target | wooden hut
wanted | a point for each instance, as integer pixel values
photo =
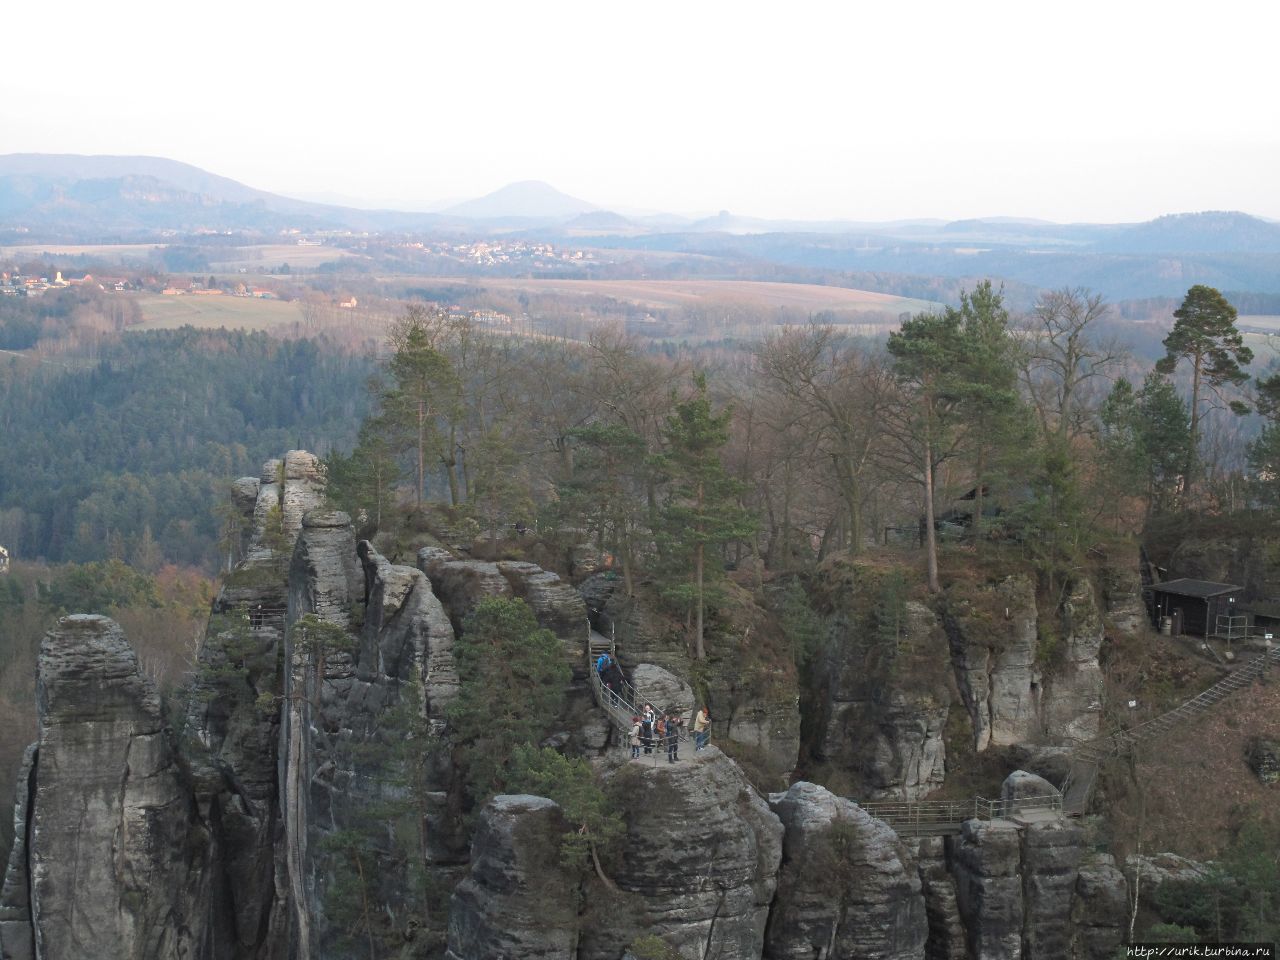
(1196, 607)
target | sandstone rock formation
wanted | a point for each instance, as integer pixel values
(946, 932)
(985, 861)
(887, 726)
(1100, 910)
(110, 825)
(1071, 707)
(754, 703)
(699, 862)
(664, 690)
(556, 605)
(462, 584)
(517, 901)
(1017, 878)
(847, 887)
(993, 647)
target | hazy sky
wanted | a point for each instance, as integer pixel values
(1116, 110)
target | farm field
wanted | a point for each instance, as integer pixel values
(105, 251)
(666, 294)
(235, 313)
(272, 256)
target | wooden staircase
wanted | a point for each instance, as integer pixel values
(1085, 761)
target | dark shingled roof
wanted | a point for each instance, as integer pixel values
(1200, 589)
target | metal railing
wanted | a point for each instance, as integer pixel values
(1088, 756)
(623, 701)
(946, 816)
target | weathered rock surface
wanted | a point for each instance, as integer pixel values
(985, 861)
(17, 936)
(852, 895)
(946, 933)
(462, 584)
(303, 488)
(407, 635)
(324, 575)
(1016, 878)
(1263, 757)
(403, 618)
(887, 727)
(664, 690)
(1051, 854)
(110, 825)
(1121, 582)
(993, 636)
(1072, 702)
(1157, 868)
(1100, 910)
(700, 860)
(517, 901)
(555, 604)
(1021, 785)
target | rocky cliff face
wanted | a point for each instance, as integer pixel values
(847, 887)
(1027, 676)
(993, 648)
(883, 721)
(699, 863)
(1019, 884)
(326, 672)
(1071, 707)
(518, 900)
(108, 818)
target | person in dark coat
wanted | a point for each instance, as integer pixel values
(673, 738)
(647, 722)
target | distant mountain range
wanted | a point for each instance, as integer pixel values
(68, 198)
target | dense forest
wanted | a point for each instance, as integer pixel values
(123, 452)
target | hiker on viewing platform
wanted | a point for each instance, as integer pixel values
(602, 664)
(674, 724)
(701, 728)
(647, 720)
(635, 737)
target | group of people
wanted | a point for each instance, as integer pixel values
(651, 731)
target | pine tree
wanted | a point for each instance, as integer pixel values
(704, 513)
(423, 390)
(365, 479)
(989, 391)
(928, 354)
(1205, 334)
(513, 677)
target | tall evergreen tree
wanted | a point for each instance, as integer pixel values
(704, 511)
(422, 390)
(1205, 334)
(989, 389)
(513, 676)
(928, 353)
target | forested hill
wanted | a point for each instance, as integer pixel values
(128, 455)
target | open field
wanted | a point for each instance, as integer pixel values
(104, 251)
(271, 256)
(235, 313)
(666, 294)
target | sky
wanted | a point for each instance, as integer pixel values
(1089, 111)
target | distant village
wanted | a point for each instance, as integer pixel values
(483, 253)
